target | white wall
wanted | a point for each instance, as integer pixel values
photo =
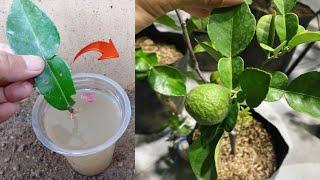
(83, 21)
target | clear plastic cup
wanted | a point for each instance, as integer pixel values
(94, 160)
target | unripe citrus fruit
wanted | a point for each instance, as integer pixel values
(208, 104)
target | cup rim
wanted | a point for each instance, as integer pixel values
(109, 142)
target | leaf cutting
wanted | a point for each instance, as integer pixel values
(30, 31)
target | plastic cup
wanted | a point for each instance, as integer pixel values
(94, 160)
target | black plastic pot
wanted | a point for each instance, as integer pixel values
(254, 55)
(281, 148)
(151, 113)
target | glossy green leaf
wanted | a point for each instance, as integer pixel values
(231, 29)
(301, 30)
(167, 80)
(168, 21)
(241, 96)
(144, 61)
(230, 71)
(30, 31)
(266, 47)
(231, 120)
(303, 94)
(287, 26)
(305, 37)
(285, 6)
(206, 46)
(266, 30)
(202, 155)
(200, 23)
(55, 83)
(255, 84)
(279, 82)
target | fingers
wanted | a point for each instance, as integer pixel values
(198, 12)
(18, 68)
(226, 3)
(5, 48)
(7, 110)
(207, 4)
(15, 92)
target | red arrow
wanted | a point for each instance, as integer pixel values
(107, 50)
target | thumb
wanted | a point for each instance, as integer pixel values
(207, 4)
(19, 68)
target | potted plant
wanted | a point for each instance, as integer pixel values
(217, 105)
(259, 8)
(169, 51)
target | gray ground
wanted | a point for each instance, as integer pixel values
(22, 156)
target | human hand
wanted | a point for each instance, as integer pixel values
(148, 10)
(15, 74)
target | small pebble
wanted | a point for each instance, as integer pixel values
(21, 148)
(6, 160)
(1, 172)
(16, 168)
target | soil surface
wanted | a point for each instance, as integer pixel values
(22, 156)
(255, 157)
(167, 54)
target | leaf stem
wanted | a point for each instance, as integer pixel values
(188, 42)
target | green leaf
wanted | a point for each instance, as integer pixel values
(200, 23)
(144, 61)
(278, 83)
(168, 21)
(266, 47)
(30, 31)
(266, 30)
(285, 6)
(303, 94)
(202, 155)
(241, 96)
(231, 119)
(55, 83)
(305, 37)
(167, 80)
(230, 71)
(287, 26)
(301, 30)
(206, 46)
(255, 84)
(231, 29)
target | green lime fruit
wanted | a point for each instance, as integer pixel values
(208, 104)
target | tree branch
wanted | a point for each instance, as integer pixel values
(188, 42)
